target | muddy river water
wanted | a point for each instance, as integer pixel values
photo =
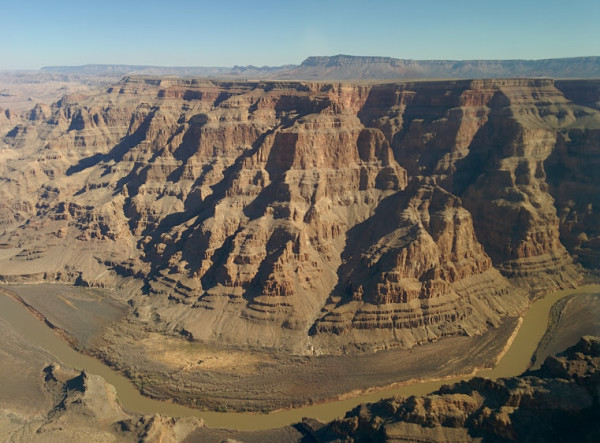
(515, 360)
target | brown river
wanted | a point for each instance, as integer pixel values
(515, 361)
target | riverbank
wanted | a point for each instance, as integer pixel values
(230, 379)
(571, 317)
(131, 398)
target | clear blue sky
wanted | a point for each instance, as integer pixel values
(229, 32)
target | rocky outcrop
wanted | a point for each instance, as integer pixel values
(86, 408)
(304, 215)
(556, 403)
(487, 141)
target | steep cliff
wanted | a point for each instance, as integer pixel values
(307, 216)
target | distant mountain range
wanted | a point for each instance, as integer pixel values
(347, 67)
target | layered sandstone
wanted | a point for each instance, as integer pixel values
(307, 216)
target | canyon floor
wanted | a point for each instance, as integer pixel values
(228, 378)
(43, 400)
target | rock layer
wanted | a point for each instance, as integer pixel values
(307, 216)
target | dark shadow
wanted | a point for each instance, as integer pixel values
(583, 93)
(14, 131)
(275, 247)
(192, 137)
(88, 162)
(280, 160)
(76, 383)
(211, 277)
(221, 98)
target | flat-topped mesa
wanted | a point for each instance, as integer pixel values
(359, 67)
(308, 215)
(344, 59)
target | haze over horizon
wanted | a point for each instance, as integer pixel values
(266, 33)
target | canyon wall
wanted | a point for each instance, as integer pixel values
(313, 217)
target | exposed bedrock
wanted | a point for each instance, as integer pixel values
(416, 270)
(559, 402)
(308, 216)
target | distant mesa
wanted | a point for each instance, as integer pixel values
(345, 67)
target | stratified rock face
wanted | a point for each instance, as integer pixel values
(557, 403)
(307, 216)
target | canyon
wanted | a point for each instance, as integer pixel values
(558, 400)
(312, 217)
(244, 226)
